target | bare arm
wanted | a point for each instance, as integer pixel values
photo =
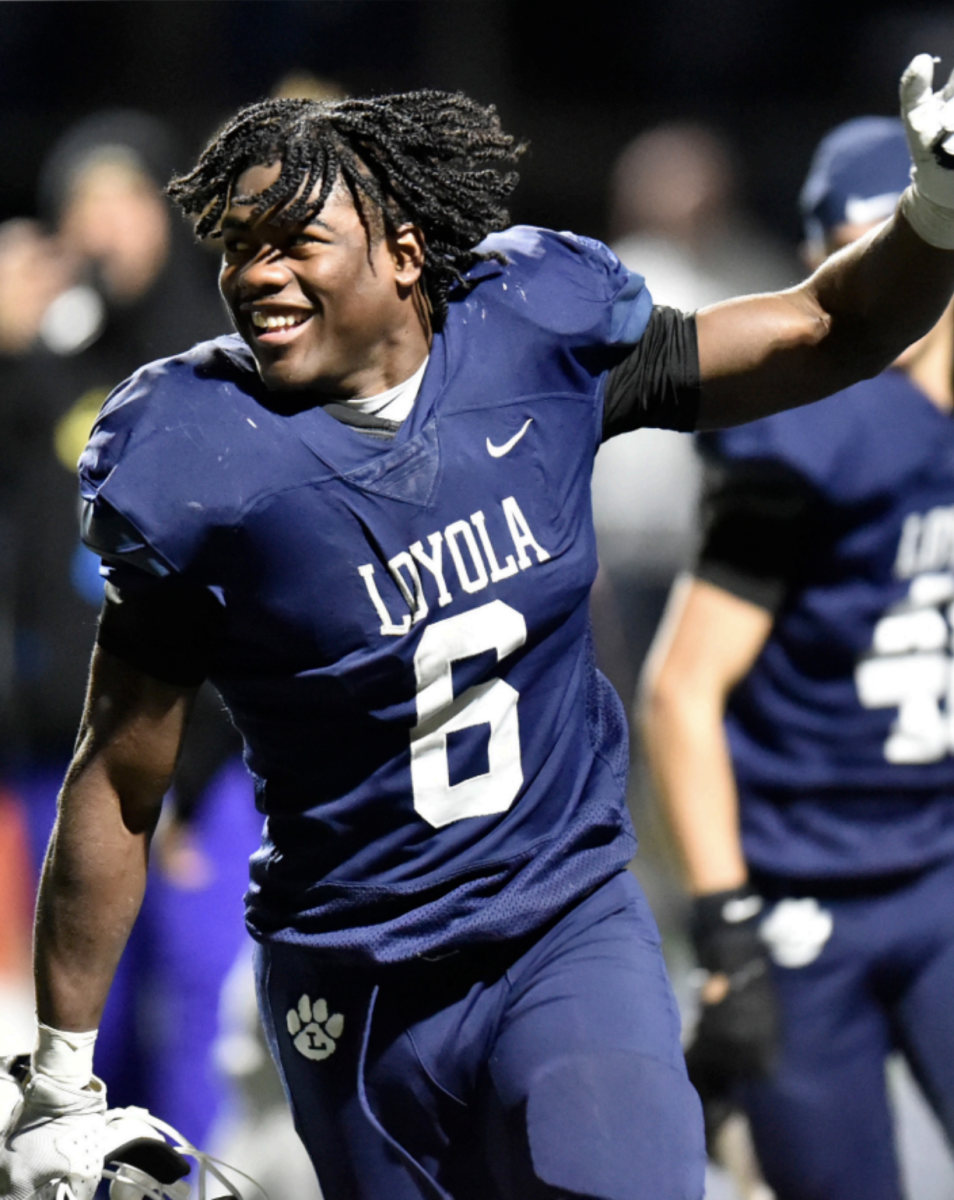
(707, 642)
(848, 321)
(95, 870)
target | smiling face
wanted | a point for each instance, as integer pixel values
(323, 306)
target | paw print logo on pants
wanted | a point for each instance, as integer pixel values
(315, 1033)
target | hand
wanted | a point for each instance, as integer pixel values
(928, 205)
(929, 123)
(56, 1133)
(737, 1035)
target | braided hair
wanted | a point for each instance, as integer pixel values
(438, 160)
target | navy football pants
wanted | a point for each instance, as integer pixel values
(554, 1072)
(883, 981)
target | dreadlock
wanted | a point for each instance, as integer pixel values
(438, 160)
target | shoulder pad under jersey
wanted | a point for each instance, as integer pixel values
(573, 285)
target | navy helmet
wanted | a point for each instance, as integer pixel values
(856, 175)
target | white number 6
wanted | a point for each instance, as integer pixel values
(494, 626)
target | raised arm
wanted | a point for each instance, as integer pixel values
(848, 321)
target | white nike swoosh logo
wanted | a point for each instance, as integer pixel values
(500, 451)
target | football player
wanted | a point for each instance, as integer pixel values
(366, 518)
(799, 722)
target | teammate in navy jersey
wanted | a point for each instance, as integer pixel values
(800, 725)
(367, 520)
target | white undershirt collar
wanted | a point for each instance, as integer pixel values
(396, 403)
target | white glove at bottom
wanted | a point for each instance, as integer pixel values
(12, 1075)
(52, 1147)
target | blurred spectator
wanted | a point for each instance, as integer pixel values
(119, 285)
(185, 942)
(140, 290)
(33, 271)
(300, 84)
(675, 218)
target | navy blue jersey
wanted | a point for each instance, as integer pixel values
(842, 733)
(405, 646)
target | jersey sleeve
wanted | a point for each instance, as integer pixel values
(573, 285)
(658, 384)
(179, 469)
(155, 617)
(756, 518)
(630, 303)
(151, 618)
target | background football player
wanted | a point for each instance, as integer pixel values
(799, 723)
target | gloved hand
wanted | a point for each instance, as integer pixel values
(56, 1134)
(929, 123)
(737, 1034)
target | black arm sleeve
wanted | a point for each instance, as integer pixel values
(757, 519)
(162, 627)
(657, 385)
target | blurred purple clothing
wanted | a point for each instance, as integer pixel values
(154, 1047)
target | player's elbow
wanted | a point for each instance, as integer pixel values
(665, 700)
(681, 697)
(859, 341)
(808, 325)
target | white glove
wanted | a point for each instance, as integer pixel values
(56, 1135)
(11, 1075)
(928, 204)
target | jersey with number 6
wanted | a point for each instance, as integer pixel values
(406, 647)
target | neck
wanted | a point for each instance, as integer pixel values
(400, 354)
(397, 364)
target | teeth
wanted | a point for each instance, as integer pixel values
(262, 321)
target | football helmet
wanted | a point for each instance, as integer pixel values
(146, 1159)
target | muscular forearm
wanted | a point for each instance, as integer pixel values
(90, 893)
(706, 643)
(95, 870)
(692, 772)
(850, 320)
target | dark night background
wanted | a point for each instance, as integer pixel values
(774, 74)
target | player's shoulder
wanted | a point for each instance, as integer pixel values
(185, 394)
(534, 248)
(846, 434)
(564, 281)
(185, 448)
